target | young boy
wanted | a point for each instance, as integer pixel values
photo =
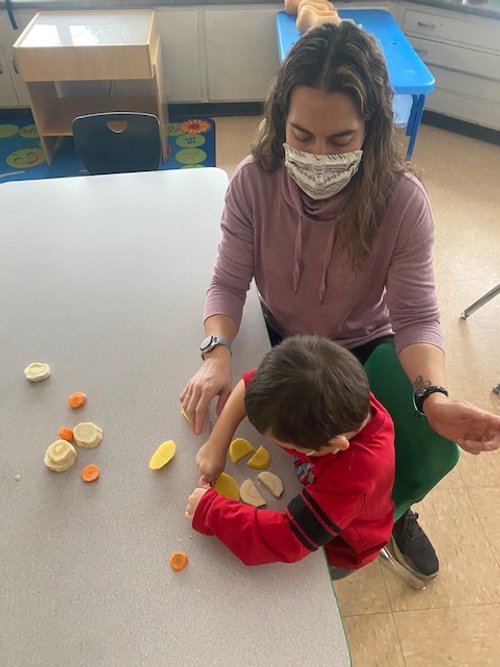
(310, 397)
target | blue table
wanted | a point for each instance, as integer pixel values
(407, 73)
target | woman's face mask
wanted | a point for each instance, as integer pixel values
(321, 176)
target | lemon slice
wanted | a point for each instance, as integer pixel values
(228, 487)
(250, 495)
(184, 414)
(239, 448)
(164, 454)
(87, 435)
(37, 371)
(60, 456)
(271, 482)
(260, 460)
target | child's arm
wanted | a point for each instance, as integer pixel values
(211, 458)
(266, 536)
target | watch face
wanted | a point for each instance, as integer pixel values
(206, 343)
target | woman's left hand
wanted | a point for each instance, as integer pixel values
(475, 430)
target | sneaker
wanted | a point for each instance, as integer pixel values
(412, 548)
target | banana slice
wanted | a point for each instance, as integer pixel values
(60, 456)
(37, 371)
(87, 435)
(272, 483)
(239, 448)
(260, 460)
(250, 495)
(227, 486)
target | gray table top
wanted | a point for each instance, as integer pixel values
(104, 278)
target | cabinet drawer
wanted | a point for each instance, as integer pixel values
(456, 58)
(484, 33)
(470, 86)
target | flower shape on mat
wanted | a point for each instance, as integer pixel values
(195, 126)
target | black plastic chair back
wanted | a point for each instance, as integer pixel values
(109, 143)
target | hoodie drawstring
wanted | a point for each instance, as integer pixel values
(325, 263)
(297, 256)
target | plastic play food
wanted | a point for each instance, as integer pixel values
(90, 473)
(260, 460)
(60, 456)
(87, 435)
(227, 487)
(77, 399)
(164, 454)
(178, 561)
(272, 483)
(66, 434)
(37, 371)
(239, 448)
(184, 414)
(250, 495)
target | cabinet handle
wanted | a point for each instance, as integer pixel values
(431, 26)
(14, 64)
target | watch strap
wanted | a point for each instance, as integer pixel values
(216, 340)
(420, 397)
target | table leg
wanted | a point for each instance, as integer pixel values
(414, 121)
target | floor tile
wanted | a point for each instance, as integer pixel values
(486, 502)
(469, 573)
(373, 641)
(464, 637)
(363, 592)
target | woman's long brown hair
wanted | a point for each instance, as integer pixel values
(341, 59)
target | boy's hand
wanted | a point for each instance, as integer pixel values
(211, 460)
(193, 501)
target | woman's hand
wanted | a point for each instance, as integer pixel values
(475, 430)
(194, 500)
(213, 378)
(211, 461)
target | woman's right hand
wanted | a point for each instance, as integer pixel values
(211, 461)
(213, 378)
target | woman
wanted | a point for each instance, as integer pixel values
(338, 235)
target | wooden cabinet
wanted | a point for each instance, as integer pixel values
(463, 53)
(89, 47)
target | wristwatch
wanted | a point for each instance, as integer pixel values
(210, 342)
(421, 394)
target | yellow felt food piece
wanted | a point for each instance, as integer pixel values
(260, 460)
(240, 448)
(164, 454)
(227, 487)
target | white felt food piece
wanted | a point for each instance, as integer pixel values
(60, 456)
(37, 371)
(87, 435)
(250, 495)
(272, 482)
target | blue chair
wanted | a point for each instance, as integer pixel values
(115, 142)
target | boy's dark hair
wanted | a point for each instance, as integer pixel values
(306, 391)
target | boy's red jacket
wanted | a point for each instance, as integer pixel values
(345, 505)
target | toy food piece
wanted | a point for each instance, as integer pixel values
(60, 456)
(164, 454)
(272, 483)
(17, 478)
(260, 460)
(309, 16)
(37, 371)
(227, 486)
(239, 448)
(250, 495)
(77, 399)
(87, 435)
(90, 473)
(66, 433)
(178, 561)
(184, 414)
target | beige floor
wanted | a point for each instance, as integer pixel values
(456, 620)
